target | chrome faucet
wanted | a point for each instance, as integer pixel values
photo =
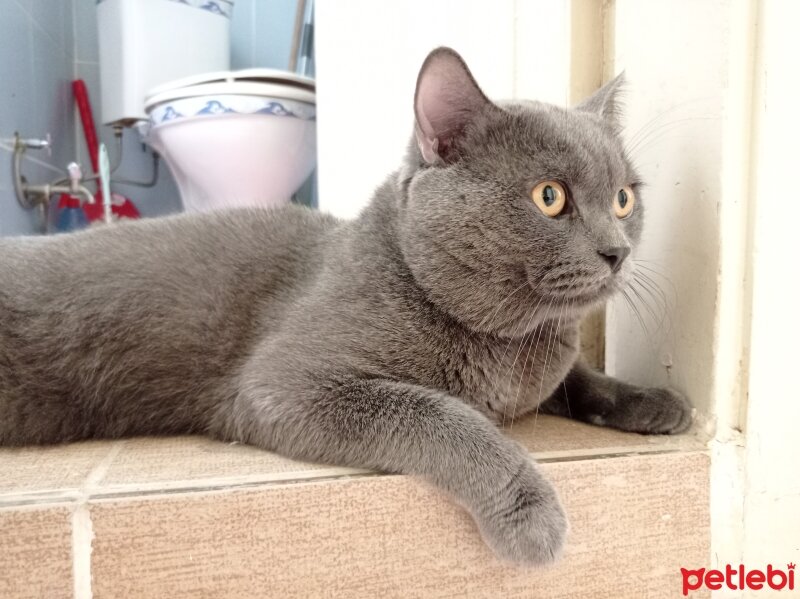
(37, 196)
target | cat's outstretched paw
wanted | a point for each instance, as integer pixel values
(529, 526)
(649, 410)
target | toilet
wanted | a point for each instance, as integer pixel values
(236, 138)
(230, 138)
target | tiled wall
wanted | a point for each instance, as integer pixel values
(36, 65)
(45, 43)
(261, 33)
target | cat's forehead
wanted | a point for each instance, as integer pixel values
(572, 144)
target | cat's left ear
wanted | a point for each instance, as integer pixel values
(445, 102)
(606, 102)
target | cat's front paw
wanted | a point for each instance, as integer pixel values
(650, 410)
(526, 524)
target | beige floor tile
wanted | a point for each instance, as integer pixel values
(58, 473)
(154, 464)
(35, 552)
(550, 436)
(180, 462)
(196, 462)
(635, 521)
(64, 468)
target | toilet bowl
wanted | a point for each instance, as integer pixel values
(235, 138)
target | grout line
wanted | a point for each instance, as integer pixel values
(145, 493)
(74, 32)
(76, 120)
(38, 25)
(82, 536)
(92, 492)
(98, 472)
(226, 486)
(82, 529)
(611, 453)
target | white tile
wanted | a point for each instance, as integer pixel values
(51, 100)
(242, 32)
(16, 64)
(16, 89)
(274, 26)
(49, 17)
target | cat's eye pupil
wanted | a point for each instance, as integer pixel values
(622, 198)
(548, 195)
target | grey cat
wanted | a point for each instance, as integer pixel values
(397, 341)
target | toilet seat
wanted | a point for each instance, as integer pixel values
(267, 82)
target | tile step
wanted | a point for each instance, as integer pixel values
(190, 517)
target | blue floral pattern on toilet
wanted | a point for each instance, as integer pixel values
(276, 108)
(170, 114)
(207, 106)
(223, 8)
(214, 107)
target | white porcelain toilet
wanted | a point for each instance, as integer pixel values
(230, 138)
(238, 138)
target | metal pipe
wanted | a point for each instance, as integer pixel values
(18, 179)
(118, 157)
(47, 190)
(151, 183)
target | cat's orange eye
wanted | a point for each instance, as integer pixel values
(550, 197)
(624, 201)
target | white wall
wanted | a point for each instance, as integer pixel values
(726, 234)
(772, 501)
(673, 107)
(368, 54)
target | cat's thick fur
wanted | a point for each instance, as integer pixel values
(395, 341)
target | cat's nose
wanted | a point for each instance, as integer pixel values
(615, 256)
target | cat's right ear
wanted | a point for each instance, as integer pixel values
(446, 100)
(605, 102)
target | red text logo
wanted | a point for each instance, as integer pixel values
(738, 578)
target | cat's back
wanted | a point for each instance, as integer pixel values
(191, 284)
(200, 248)
(148, 317)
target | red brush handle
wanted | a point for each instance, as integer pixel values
(85, 110)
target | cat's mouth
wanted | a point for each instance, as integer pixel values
(581, 295)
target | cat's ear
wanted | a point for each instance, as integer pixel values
(606, 102)
(446, 100)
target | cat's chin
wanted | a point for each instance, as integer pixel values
(579, 305)
(546, 309)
